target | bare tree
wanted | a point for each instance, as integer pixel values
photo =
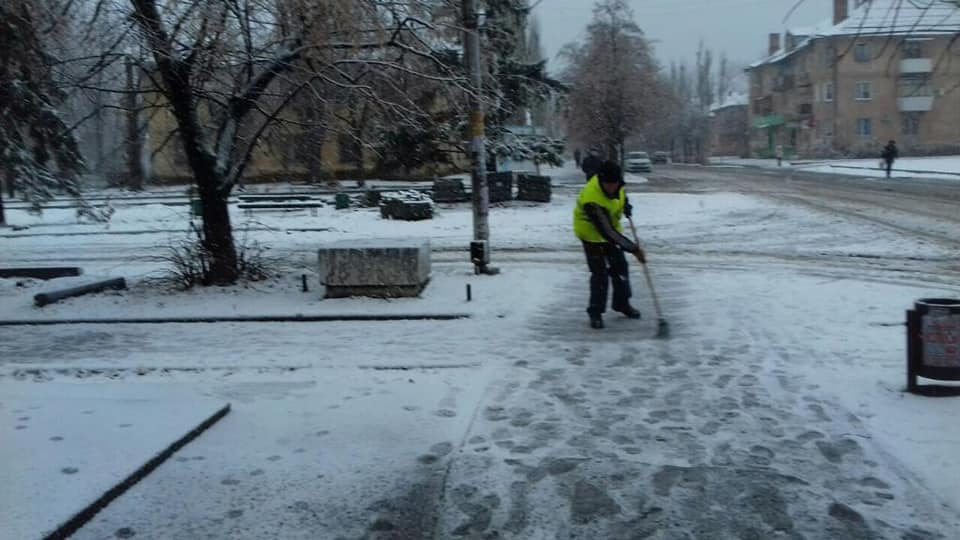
(705, 99)
(614, 79)
(724, 78)
(229, 70)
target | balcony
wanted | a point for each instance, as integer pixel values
(915, 104)
(915, 66)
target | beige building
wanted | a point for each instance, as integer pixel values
(285, 153)
(879, 70)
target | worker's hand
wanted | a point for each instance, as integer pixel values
(640, 255)
(628, 210)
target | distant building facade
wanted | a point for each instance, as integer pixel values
(729, 126)
(882, 70)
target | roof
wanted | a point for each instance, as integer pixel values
(732, 99)
(881, 18)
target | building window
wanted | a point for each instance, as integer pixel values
(828, 91)
(914, 88)
(864, 127)
(911, 123)
(861, 52)
(829, 56)
(864, 91)
(912, 49)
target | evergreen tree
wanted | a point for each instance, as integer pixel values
(38, 154)
(515, 82)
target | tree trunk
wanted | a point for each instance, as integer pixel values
(98, 138)
(359, 132)
(134, 141)
(620, 155)
(3, 218)
(314, 144)
(218, 235)
(11, 188)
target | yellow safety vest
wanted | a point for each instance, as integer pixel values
(593, 193)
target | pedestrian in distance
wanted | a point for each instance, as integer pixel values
(576, 157)
(591, 163)
(779, 154)
(889, 155)
(601, 205)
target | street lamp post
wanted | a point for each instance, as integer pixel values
(480, 247)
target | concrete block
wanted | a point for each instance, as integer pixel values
(406, 206)
(532, 187)
(387, 268)
(500, 186)
(449, 190)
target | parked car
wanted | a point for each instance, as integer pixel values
(638, 162)
(661, 157)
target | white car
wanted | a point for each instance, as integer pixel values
(638, 162)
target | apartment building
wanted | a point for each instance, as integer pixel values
(878, 70)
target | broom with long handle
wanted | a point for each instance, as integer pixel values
(663, 327)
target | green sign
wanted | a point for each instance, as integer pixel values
(769, 121)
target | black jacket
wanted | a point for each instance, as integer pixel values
(601, 220)
(890, 152)
(591, 165)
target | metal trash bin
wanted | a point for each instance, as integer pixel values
(933, 341)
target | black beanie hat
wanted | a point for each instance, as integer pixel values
(610, 172)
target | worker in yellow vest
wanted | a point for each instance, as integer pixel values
(601, 205)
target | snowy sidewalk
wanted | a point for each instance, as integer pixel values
(942, 168)
(66, 445)
(715, 433)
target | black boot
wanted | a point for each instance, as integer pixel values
(628, 311)
(596, 322)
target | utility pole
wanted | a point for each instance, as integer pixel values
(480, 247)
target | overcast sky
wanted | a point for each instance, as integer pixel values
(739, 27)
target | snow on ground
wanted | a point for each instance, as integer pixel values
(336, 422)
(942, 168)
(841, 334)
(60, 450)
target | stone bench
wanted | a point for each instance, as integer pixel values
(42, 272)
(383, 268)
(406, 206)
(449, 190)
(248, 208)
(500, 186)
(531, 187)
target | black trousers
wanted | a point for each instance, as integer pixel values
(608, 265)
(889, 166)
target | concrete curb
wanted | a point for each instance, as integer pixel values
(84, 516)
(251, 319)
(911, 171)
